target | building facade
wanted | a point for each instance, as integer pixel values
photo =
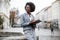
(56, 11)
(4, 11)
(51, 13)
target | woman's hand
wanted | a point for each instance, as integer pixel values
(32, 22)
(35, 21)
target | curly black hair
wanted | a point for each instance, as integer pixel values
(32, 6)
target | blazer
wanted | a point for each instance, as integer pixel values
(25, 20)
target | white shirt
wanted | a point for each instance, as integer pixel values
(31, 18)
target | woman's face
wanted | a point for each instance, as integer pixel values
(27, 8)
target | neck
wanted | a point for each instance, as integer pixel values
(28, 13)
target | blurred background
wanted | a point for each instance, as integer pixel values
(46, 10)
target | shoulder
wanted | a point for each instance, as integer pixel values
(22, 15)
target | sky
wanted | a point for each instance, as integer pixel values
(20, 4)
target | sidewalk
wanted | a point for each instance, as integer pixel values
(45, 34)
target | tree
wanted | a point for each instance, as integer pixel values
(1, 20)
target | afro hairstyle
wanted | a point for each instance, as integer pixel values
(32, 6)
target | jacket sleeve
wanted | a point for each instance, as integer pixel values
(22, 21)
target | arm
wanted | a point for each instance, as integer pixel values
(22, 21)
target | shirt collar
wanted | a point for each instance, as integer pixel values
(27, 13)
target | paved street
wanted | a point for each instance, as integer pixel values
(44, 34)
(49, 38)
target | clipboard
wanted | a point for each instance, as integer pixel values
(37, 21)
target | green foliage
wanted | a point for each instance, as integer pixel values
(1, 20)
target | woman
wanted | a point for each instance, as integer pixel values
(27, 21)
